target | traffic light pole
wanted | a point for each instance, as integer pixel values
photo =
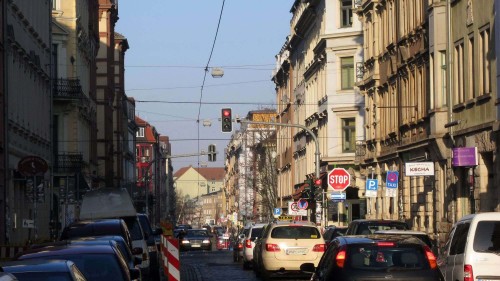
(316, 154)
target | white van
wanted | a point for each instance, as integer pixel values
(472, 250)
(105, 203)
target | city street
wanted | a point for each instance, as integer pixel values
(214, 265)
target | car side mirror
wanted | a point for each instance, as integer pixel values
(241, 236)
(137, 260)
(137, 251)
(135, 273)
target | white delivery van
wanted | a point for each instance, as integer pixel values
(472, 250)
(105, 203)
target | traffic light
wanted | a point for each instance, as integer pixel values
(227, 120)
(307, 192)
(212, 154)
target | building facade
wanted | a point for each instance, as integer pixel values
(74, 50)
(315, 81)
(27, 98)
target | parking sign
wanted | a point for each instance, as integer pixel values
(371, 187)
(391, 180)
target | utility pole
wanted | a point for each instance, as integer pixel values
(316, 154)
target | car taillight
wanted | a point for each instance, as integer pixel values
(468, 274)
(272, 248)
(240, 246)
(248, 243)
(385, 244)
(319, 248)
(340, 258)
(431, 257)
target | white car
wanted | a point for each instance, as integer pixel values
(472, 250)
(254, 232)
(285, 246)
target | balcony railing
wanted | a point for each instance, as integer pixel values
(68, 88)
(68, 162)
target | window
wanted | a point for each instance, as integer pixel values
(471, 69)
(459, 238)
(347, 70)
(443, 77)
(348, 134)
(346, 13)
(54, 4)
(459, 73)
(484, 62)
(140, 132)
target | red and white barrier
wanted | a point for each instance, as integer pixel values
(170, 256)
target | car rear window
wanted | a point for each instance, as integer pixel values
(371, 257)
(370, 228)
(295, 232)
(135, 228)
(487, 237)
(257, 232)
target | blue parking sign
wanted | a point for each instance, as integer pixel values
(277, 211)
(371, 184)
(391, 180)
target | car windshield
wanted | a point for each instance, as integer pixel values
(295, 232)
(135, 228)
(196, 233)
(146, 227)
(370, 257)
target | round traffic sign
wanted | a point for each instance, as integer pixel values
(294, 206)
(339, 179)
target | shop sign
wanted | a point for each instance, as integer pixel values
(419, 169)
(464, 156)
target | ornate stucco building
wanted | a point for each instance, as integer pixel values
(315, 78)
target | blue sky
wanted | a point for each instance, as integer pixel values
(170, 46)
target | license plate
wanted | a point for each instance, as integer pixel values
(195, 245)
(296, 251)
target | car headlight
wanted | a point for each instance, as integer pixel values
(206, 241)
(152, 248)
(185, 241)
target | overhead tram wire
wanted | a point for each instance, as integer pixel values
(205, 77)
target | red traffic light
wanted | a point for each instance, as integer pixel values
(226, 112)
(317, 182)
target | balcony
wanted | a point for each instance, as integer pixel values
(68, 162)
(69, 89)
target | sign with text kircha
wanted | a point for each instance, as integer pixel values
(413, 169)
(464, 156)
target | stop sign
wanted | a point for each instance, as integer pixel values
(339, 179)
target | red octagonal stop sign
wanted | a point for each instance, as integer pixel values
(339, 179)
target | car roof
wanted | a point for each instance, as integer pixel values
(378, 220)
(37, 265)
(64, 250)
(481, 216)
(374, 238)
(400, 231)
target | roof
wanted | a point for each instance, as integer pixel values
(65, 250)
(37, 265)
(209, 173)
(148, 131)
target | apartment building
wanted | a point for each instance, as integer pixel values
(74, 50)
(315, 78)
(430, 103)
(26, 135)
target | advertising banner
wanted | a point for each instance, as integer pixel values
(464, 156)
(413, 169)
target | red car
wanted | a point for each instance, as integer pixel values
(223, 242)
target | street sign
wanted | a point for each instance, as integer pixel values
(391, 180)
(277, 212)
(294, 210)
(28, 223)
(339, 179)
(371, 188)
(302, 204)
(340, 196)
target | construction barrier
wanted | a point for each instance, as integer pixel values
(170, 257)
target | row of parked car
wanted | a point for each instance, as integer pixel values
(372, 250)
(110, 241)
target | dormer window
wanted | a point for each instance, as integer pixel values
(140, 132)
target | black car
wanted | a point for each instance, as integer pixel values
(369, 226)
(376, 257)
(195, 239)
(43, 270)
(333, 232)
(153, 242)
